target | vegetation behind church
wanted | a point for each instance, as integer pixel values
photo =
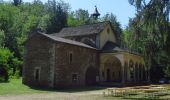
(18, 19)
(149, 33)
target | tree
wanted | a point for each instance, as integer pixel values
(2, 38)
(58, 16)
(17, 22)
(5, 56)
(152, 25)
(8, 26)
(17, 2)
(7, 63)
(115, 24)
(79, 17)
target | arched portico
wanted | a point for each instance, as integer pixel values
(121, 67)
(112, 70)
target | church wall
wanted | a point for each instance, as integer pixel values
(82, 58)
(107, 35)
(38, 56)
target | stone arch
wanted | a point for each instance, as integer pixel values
(112, 69)
(91, 75)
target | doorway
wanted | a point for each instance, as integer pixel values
(108, 75)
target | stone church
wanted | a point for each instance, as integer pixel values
(80, 56)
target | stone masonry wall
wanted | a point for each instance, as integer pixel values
(83, 58)
(38, 55)
(53, 60)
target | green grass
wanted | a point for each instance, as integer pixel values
(15, 86)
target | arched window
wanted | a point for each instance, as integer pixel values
(70, 57)
(74, 78)
(37, 74)
(108, 31)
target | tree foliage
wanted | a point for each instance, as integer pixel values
(8, 62)
(78, 17)
(17, 2)
(17, 21)
(58, 15)
(150, 31)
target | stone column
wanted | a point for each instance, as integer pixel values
(142, 73)
(134, 73)
(147, 74)
(102, 79)
(128, 71)
(123, 74)
(138, 73)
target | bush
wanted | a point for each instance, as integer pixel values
(9, 65)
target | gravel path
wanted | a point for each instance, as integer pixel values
(88, 95)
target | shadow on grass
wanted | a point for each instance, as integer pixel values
(79, 89)
(70, 90)
(4, 81)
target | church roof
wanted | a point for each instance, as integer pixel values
(63, 40)
(111, 47)
(82, 30)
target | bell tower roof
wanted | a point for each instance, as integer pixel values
(96, 13)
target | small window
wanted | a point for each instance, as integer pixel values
(74, 78)
(70, 58)
(37, 74)
(108, 30)
(113, 74)
(103, 73)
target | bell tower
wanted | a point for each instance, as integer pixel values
(96, 13)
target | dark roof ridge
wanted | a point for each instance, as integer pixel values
(68, 41)
(81, 30)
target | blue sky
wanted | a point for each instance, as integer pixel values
(121, 8)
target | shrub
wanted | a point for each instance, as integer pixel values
(9, 65)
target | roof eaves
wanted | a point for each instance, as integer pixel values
(59, 39)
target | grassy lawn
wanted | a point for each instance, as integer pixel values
(15, 86)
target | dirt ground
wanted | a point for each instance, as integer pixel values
(96, 94)
(87, 95)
